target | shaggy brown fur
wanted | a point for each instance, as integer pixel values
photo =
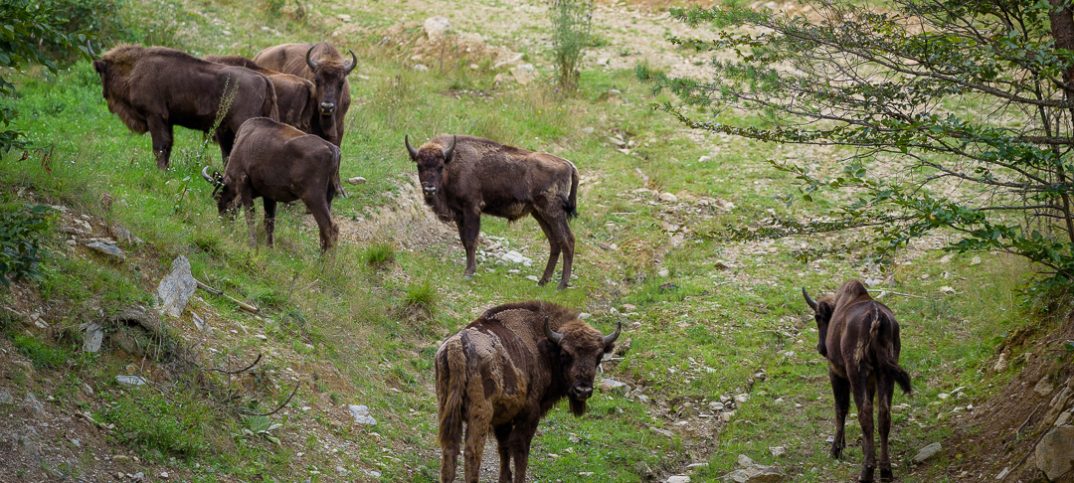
(279, 163)
(328, 71)
(860, 338)
(294, 95)
(486, 177)
(503, 372)
(155, 88)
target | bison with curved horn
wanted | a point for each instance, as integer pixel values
(279, 163)
(463, 177)
(860, 338)
(503, 372)
(323, 65)
(155, 88)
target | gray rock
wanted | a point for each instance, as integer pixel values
(611, 385)
(927, 452)
(92, 337)
(360, 412)
(436, 27)
(678, 479)
(524, 73)
(130, 380)
(6, 397)
(106, 248)
(777, 451)
(668, 198)
(35, 405)
(1043, 387)
(176, 288)
(751, 472)
(421, 67)
(124, 235)
(716, 406)
(356, 180)
(1054, 453)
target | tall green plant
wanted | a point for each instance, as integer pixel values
(572, 21)
(956, 114)
(22, 231)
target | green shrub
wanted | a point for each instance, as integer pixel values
(22, 230)
(571, 24)
(42, 355)
(379, 255)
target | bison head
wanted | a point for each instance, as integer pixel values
(580, 349)
(223, 195)
(822, 312)
(431, 162)
(329, 79)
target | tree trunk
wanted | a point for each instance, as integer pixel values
(1061, 18)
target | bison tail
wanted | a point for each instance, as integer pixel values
(450, 385)
(571, 206)
(885, 355)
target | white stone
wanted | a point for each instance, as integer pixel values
(130, 380)
(93, 336)
(678, 479)
(668, 198)
(436, 27)
(176, 288)
(360, 412)
(927, 452)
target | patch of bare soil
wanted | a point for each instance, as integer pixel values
(403, 220)
(997, 441)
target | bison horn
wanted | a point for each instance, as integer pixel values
(809, 300)
(413, 152)
(608, 339)
(205, 174)
(354, 63)
(450, 151)
(309, 59)
(552, 335)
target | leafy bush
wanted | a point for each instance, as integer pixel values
(572, 21)
(22, 229)
(47, 32)
(955, 114)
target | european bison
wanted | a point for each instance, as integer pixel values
(294, 95)
(860, 338)
(155, 88)
(503, 372)
(327, 69)
(463, 177)
(279, 163)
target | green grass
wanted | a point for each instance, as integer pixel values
(362, 324)
(42, 355)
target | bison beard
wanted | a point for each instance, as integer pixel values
(577, 407)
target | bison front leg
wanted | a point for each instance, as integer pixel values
(270, 219)
(841, 390)
(161, 133)
(469, 227)
(553, 248)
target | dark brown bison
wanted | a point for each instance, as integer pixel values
(279, 163)
(463, 177)
(503, 372)
(294, 94)
(860, 338)
(155, 88)
(327, 69)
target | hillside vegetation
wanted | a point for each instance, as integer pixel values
(681, 235)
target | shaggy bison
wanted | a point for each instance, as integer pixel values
(155, 88)
(279, 163)
(503, 372)
(327, 69)
(860, 338)
(463, 177)
(294, 95)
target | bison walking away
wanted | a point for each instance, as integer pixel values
(503, 372)
(279, 163)
(860, 338)
(327, 69)
(294, 94)
(155, 88)
(463, 177)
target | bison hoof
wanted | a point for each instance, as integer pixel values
(837, 451)
(886, 474)
(562, 285)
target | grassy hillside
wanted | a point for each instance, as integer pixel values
(709, 314)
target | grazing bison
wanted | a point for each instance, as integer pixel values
(327, 69)
(279, 163)
(503, 372)
(155, 88)
(860, 338)
(294, 94)
(463, 177)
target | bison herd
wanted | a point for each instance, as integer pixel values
(279, 121)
